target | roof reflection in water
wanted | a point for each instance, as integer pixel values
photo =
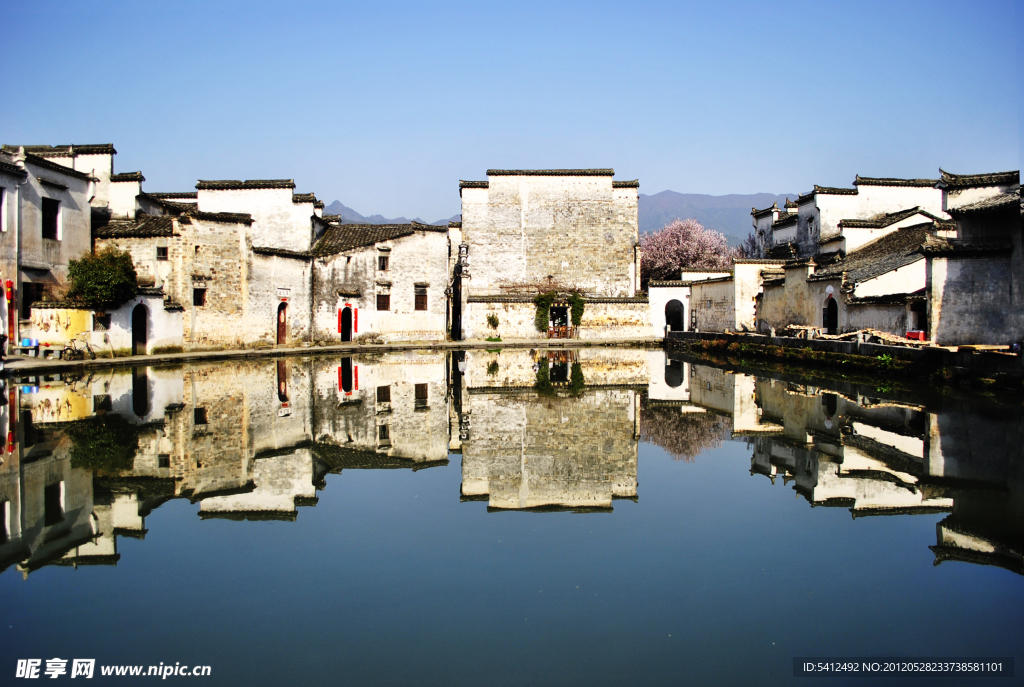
(88, 459)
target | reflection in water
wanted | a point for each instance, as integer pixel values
(87, 459)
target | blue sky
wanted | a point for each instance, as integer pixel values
(385, 106)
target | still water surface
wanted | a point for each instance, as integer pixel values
(526, 517)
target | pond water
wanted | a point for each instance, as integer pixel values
(592, 516)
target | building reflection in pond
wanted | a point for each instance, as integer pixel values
(87, 459)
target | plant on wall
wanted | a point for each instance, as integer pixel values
(492, 321)
(543, 384)
(576, 304)
(576, 380)
(105, 443)
(492, 368)
(543, 302)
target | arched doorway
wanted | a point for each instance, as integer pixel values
(674, 373)
(346, 374)
(346, 324)
(139, 316)
(140, 392)
(282, 323)
(282, 381)
(830, 316)
(675, 315)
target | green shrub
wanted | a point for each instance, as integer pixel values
(492, 368)
(543, 302)
(492, 321)
(576, 380)
(103, 280)
(576, 303)
(105, 443)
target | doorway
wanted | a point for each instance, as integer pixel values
(139, 316)
(675, 315)
(830, 316)
(282, 323)
(346, 324)
(282, 381)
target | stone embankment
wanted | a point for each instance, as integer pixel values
(19, 366)
(964, 366)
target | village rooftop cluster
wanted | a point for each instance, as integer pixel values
(538, 254)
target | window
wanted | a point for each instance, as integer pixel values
(161, 252)
(421, 297)
(101, 323)
(199, 416)
(51, 218)
(28, 431)
(382, 263)
(53, 504)
(101, 404)
(199, 297)
(384, 394)
(163, 460)
(383, 301)
(383, 432)
(422, 394)
(30, 293)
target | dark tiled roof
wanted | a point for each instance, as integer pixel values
(68, 150)
(772, 278)
(50, 182)
(342, 237)
(758, 213)
(785, 218)
(940, 246)
(473, 184)
(635, 183)
(318, 204)
(176, 196)
(145, 226)
(885, 220)
(790, 203)
(759, 261)
(783, 250)
(998, 203)
(882, 255)
(455, 225)
(890, 181)
(223, 217)
(303, 197)
(888, 299)
(235, 185)
(6, 165)
(282, 253)
(550, 172)
(967, 180)
(128, 176)
(171, 207)
(653, 284)
(830, 191)
(56, 167)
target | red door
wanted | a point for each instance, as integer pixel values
(282, 321)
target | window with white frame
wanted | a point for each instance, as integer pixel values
(51, 219)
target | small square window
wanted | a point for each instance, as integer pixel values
(383, 432)
(383, 301)
(161, 252)
(101, 323)
(199, 297)
(384, 394)
(51, 218)
(421, 297)
(199, 416)
(382, 263)
(163, 460)
(101, 403)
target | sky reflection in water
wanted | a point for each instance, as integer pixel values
(557, 517)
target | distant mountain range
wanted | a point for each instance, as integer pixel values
(728, 214)
(350, 216)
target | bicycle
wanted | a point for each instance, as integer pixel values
(73, 352)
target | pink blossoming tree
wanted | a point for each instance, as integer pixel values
(682, 243)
